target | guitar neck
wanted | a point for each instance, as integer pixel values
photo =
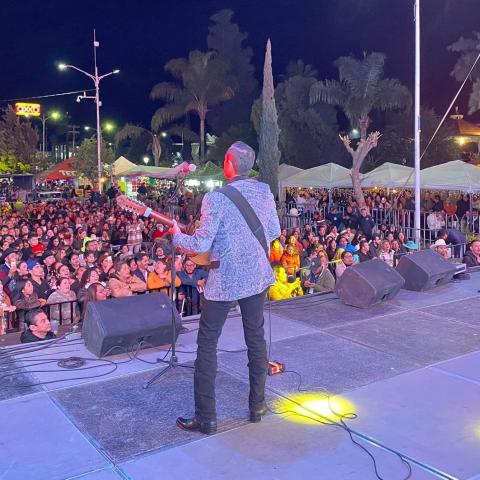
(164, 220)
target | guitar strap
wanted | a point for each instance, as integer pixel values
(248, 214)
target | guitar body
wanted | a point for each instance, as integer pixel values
(139, 208)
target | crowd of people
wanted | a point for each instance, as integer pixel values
(56, 257)
(312, 258)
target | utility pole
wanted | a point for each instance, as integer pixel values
(417, 125)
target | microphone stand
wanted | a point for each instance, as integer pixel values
(173, 362)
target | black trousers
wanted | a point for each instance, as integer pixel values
(212, 319)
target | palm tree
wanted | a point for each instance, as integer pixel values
(361, 90)
(202, 82)
(132, 132)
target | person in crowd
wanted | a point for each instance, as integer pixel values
(440, 247)
(160, 277)
(96, 292)
(385, 253)
(347, 260)
(135, 234)
(364, 252)
(142, 271)
(365, 223)
(331, 248)
(463, 206)
(69, 311)
(375, 244)
(193, 282)
(24, 299)
(290, 260)
(105, 266)
(38, 327)
(123, 284)
(320, 279)
(6, 307)
(8, 268)
(282, 288)
(435, 221)
(398, 251)
(276, 252)
(37, 276)
(335, 218)
(89, 276)
(472, 255)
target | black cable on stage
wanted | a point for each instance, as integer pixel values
(324, 420)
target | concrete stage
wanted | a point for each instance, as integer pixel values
(409, 368)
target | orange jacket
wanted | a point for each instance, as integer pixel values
(155, 282)
(290, 262)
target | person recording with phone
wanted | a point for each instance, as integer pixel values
(320, 279)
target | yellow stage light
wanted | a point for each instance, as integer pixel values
(313, 407)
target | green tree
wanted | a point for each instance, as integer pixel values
(201, 83)
(268, 152)
(226, 39)
(135, 132)
(18, 143)
(86, 159)
(469, 49)
(360, 91)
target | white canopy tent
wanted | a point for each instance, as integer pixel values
(327, 176)
(285, 171)
(120, 165)
(389, 175)
(454, 175)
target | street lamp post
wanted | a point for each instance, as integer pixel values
(96, 80)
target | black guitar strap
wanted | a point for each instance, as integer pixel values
(247, 212)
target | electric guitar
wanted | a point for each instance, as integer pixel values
(136, 206)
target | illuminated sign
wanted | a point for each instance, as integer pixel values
(28, 109)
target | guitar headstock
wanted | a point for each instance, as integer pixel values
(131, 204)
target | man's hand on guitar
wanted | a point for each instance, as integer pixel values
(174, 228)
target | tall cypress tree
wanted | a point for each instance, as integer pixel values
(269, 153)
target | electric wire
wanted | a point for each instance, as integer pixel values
(48, 95)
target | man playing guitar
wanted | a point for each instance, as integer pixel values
(240, 271)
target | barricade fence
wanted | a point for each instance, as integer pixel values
(402, 220)
(71, 312)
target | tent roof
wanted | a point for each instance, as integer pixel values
(152, 172)
(122, 164)
(455, 175)
(389, 175)
(329, 175)
(285, 171)
(62, 171)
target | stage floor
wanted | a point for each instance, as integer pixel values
(409, 369)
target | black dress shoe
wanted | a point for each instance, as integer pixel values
(193, 425)
(256, 415)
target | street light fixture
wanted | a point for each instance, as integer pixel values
(146, 160)
(96, 78)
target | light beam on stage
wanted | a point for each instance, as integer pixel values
(315, 407)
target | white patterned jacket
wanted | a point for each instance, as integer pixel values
(244, 268)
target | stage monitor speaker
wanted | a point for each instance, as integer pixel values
(368, 283)
(126, 322)
(425, 270)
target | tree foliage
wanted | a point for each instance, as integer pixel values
(268, 151)
(469, 49)
(18, 143)
(202, 81)
(226, 39)
(361, 89)
(86, 158)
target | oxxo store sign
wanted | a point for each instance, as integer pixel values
(28, 109)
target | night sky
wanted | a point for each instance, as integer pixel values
(140, 36)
